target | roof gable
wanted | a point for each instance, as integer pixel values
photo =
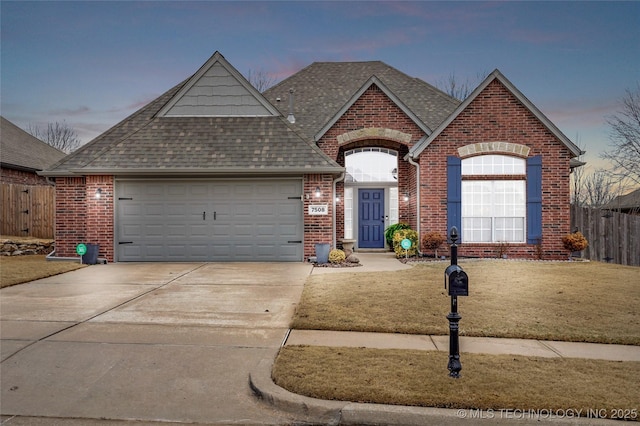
(323, 88)
(217, 89)
(395, 99)
(496, 75)
(147, 143)
(23, 151)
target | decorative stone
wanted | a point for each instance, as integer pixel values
(352, 258)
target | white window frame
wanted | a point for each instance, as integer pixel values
(487, 203)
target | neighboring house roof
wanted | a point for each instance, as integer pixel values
(22, 151)
(417, 149)
(214, 122)
(324, 89)
(630, 201)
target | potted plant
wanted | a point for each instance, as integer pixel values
(574, 242)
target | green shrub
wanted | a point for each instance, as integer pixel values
(400, 235)
(388, 233)
(336, 256)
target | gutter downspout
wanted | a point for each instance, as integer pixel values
(333, 218)
(417, 165)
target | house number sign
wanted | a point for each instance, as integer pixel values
(319, 209)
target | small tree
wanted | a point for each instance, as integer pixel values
(58, 135)
(624, 151)
(261, 79)
(457, 88)
(432, 241)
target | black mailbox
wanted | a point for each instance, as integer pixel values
(458, 281)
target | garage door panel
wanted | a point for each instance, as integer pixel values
(243, 220)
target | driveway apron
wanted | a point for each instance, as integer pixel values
(151, 342)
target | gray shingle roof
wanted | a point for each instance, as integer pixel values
(146, 143)
(19, 149)
(214, 145)
(628, 201)
(323, 88)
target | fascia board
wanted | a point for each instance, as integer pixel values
(358, 94)
(217, 57)
(201, 172)
(417, 149)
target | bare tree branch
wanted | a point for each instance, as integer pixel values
(458, 89)
(58, 135)
(624, 139)
(261, 79)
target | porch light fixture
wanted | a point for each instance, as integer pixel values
(318, 193)
(406, 196)
(98, 193)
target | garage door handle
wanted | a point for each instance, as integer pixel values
(204, 215)
(214, 215)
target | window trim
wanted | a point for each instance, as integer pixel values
(489, 176)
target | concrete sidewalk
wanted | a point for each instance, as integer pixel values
(525, 347)
(349, 413)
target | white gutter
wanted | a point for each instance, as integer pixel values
(417, 165)
(333, 218)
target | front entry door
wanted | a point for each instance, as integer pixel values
(371, 218)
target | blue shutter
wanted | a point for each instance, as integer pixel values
(534, 199)
(454, 194)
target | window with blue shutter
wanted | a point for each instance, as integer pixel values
(454, 194)
(534, 199)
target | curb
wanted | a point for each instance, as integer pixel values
(315, 410)
(320, 411)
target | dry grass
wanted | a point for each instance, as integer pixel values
(570, 301)
(420, 378)
(21, 269)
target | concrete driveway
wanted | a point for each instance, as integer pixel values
(149, 342)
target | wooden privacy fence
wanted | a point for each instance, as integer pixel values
(613, 237)
(27, 210)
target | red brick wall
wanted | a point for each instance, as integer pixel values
(71, 215)
(21, 177)
(100, 214)
(81, 218)
(374, 109)
(317, 228)
(496, 115)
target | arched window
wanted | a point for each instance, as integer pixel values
(494, 199)
(371, 165)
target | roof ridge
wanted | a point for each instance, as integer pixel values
(102, 136)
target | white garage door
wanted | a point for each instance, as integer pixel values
(222, 220)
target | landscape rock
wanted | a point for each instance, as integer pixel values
(352, 258)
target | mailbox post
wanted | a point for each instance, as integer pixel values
(458, 283)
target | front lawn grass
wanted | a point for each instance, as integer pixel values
(488, 382)
(22, 269)
(569, 301)
(572, 301)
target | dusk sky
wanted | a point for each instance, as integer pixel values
(91, 64)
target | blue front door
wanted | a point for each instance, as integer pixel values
(371, 218)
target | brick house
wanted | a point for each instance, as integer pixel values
(23, 155)
(27, 199)
(214, 170)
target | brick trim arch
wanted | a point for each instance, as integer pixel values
(374, 133)
(490, 147)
